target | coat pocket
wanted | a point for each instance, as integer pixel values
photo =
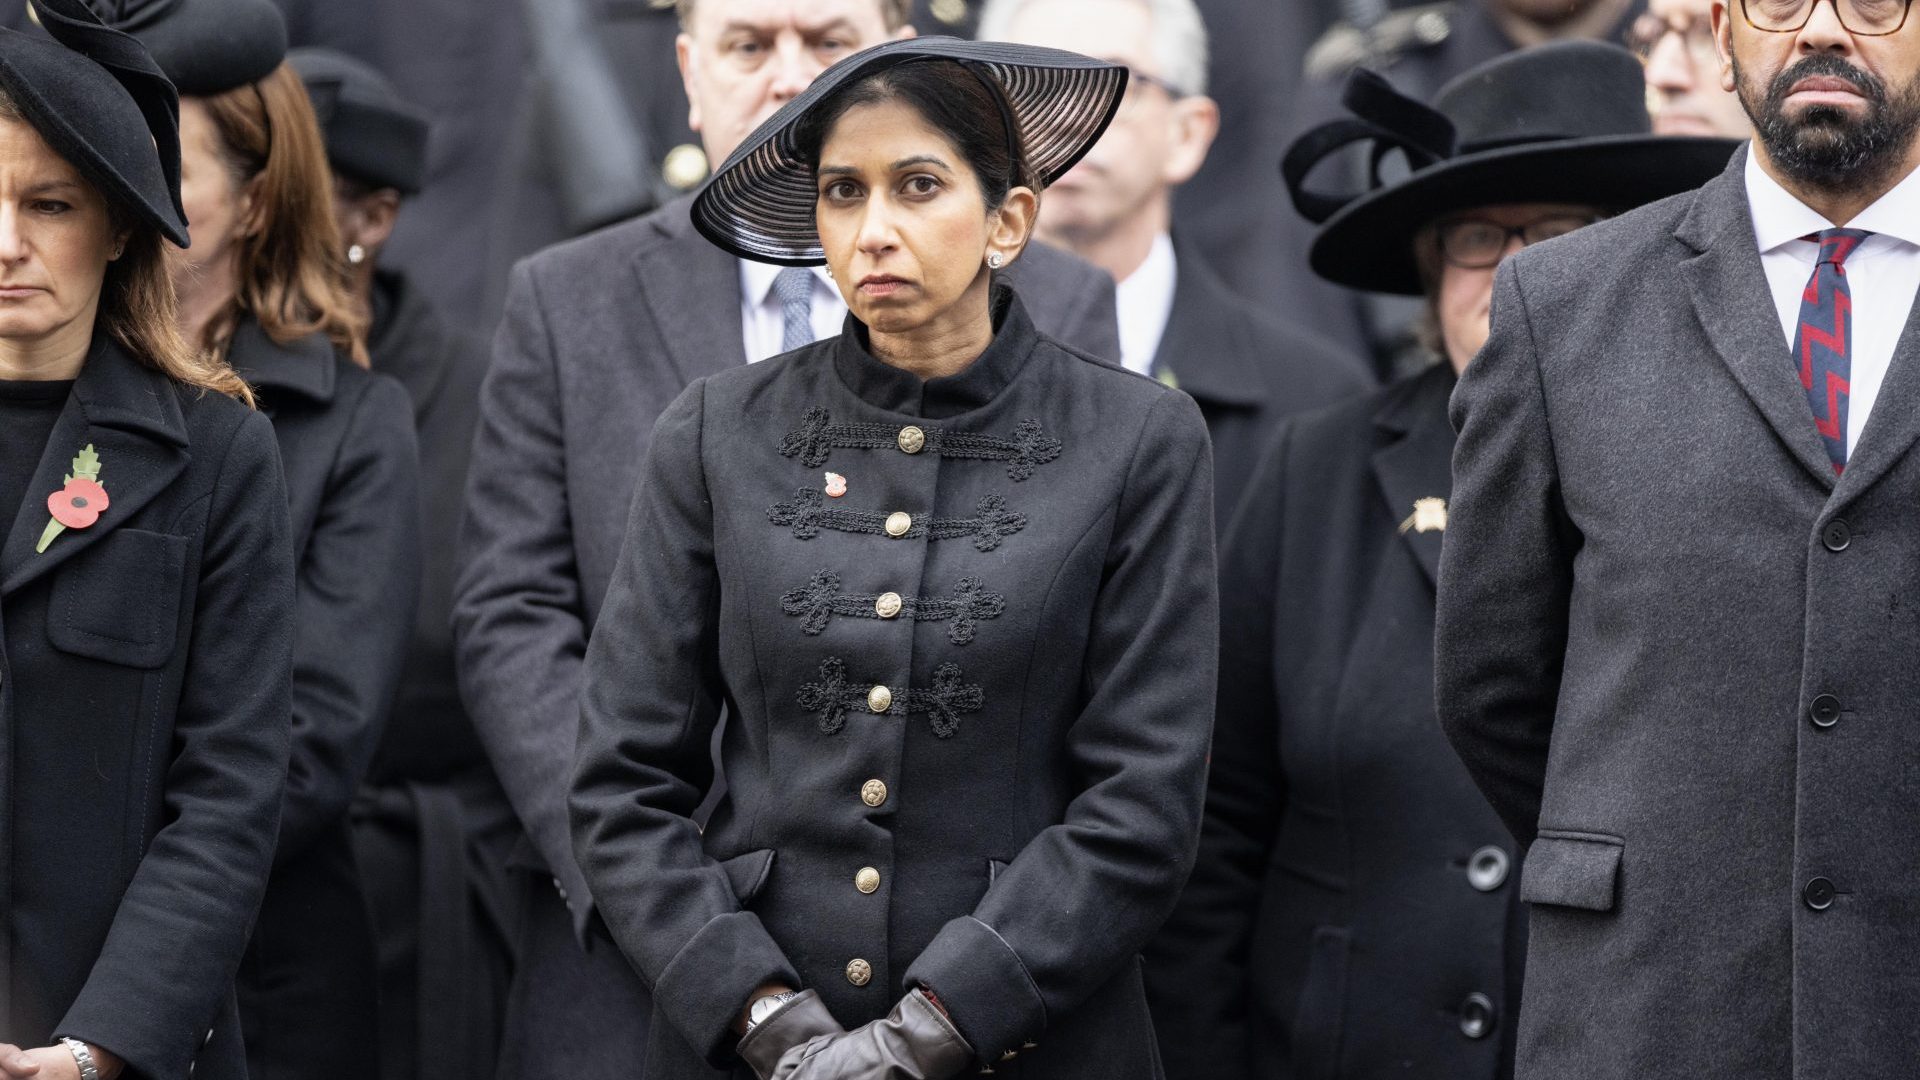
(1318, 1018)
(748, 873)
(120, 600)
(1572, 869)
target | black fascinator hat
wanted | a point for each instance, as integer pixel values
(99, 100)
(372, 135)
(759, 204)
(1559, 123)
(206, 47)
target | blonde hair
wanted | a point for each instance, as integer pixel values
(137, 303)
(293, 277)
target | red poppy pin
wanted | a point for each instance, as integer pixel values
(78, 504)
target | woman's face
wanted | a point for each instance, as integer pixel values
(903, 220)
(1463, 297)
(218, 207)
(56, 239)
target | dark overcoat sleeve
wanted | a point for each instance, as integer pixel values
(170, 957)
(649, 703)
(1197, 966)
(358, 584)
(1081, 898)
(1506, 571)
(520, 630)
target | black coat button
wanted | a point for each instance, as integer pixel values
(1836, 536)
(1487, 869)
(1818, 894)
(1476, 1016)
(1825, 711)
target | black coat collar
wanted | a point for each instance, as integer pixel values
(408, 340)
(1413, 459)
(1204, 344)
(303, 366)
(887, 387)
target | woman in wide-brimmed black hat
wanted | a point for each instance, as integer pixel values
(951, 583)
(146, 580)
(1354, 911)
(264, 288)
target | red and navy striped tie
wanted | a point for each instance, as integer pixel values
(1823, 346)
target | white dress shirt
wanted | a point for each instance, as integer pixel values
(1143, 302)
(1883, 274)
(763, 325)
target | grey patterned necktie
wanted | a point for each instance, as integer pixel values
(794, 286)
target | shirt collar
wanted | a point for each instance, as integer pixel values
(756, 280)
(1780, 218)
(1144, 300)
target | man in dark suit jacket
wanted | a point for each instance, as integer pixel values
(600, 334)
(1179, 321)
(1676, 629)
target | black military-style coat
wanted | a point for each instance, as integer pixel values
(969, 698)
(144, 696)
(347, 446)
(1353, 911)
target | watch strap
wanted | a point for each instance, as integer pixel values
(83, 1057)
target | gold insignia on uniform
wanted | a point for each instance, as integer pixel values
(951, 12)
(685, 167)
(1429, 515)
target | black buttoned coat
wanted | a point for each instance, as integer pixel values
(144, 695)
(1353, 890)
(347, 444)
(1037, 710)
(1678, 655)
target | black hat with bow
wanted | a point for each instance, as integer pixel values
(1559, 123)
(99, 100)
(372, 135)
(206, 47)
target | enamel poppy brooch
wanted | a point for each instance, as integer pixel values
(79, 503)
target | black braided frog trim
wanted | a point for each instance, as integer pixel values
(807, 513)
(819, 600)
(833, 697)
(817, 437)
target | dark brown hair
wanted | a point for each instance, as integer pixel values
(293, 276)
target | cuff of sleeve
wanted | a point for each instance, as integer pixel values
(146, 1054)
(983, 984)
(707, 984)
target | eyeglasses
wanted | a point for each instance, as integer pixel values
(1136, 79)
(1478, 244)
(1648, 31)
(1863, 18)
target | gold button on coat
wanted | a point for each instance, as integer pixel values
(867, 880)
(859, 972)
(879, 699)
(873, 792)
(912, 440)
(887, 606)
(898, 523)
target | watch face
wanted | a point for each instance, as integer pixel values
(766, 1007)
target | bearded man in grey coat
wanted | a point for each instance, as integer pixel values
(1680, 591)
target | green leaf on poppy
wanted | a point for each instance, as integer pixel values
(87, 465)
(54, 528)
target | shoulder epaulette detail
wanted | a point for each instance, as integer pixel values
(819, 600)
(943, 704)
(807, 513)
(818, 436)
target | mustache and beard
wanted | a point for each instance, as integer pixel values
(1829, 148)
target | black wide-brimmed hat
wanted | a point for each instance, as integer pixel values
(759, 204)
(99, 100)
(372, 135)
(206, 47)
(1559, 123)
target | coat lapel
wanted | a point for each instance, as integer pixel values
(693, 290)
(1894, 422)
(1415, 458)
(1734, 305)
(1200, 345)
(130, 416)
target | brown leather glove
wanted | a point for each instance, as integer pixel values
(803, 1042)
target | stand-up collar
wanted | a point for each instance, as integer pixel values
(115, 390)
(887, 387)
(302, 366)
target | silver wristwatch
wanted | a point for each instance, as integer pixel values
(757, 1013)
(82, 1057)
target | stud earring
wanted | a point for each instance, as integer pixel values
(356, 254)
(994, 260)
(829, 273)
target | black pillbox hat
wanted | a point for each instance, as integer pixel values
(372, 135)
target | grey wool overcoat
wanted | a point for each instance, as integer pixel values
(1678, 655)
(968, 698)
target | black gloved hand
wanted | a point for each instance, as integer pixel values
(803, 1042)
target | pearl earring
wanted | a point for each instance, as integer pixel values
(356, 254)
(829, 272)
(994, 260)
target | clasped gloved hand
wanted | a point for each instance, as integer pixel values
(803, 1042)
